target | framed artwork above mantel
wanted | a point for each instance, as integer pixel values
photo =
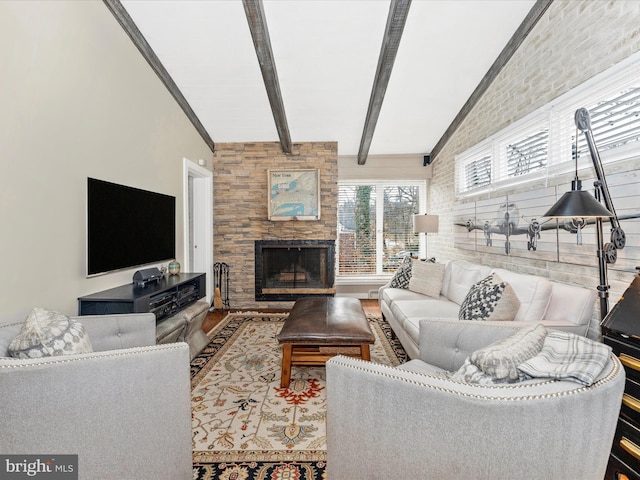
(294, 194)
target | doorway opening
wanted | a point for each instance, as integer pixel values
(198, 222)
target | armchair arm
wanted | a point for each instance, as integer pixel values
(106, 332)
(382, 289)
(447, 343)
(113, 332)
(382, 420)
(124, 413)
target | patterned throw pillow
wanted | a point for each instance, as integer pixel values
(490, 299)
(46, 333)
(498, 362)
(403, 274)
(502, 358)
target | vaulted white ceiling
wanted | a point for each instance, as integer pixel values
(326, 53)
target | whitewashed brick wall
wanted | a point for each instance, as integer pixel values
(574, 41)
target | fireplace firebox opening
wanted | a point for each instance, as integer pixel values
(286, 270)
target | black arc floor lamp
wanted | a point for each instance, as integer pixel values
(580, 204)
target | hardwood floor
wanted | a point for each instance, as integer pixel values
(370, 307)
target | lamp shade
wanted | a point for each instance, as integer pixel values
(425, 223)
(578, 203)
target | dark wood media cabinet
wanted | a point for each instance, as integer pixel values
(621, 331)
(162, 298)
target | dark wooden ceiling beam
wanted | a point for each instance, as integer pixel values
(152, 59)
(398, 12)
(262, 43)
(530, 21)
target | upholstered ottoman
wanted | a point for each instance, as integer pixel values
(193, 333)
(185, 326)
(170, 329)
(317, 322)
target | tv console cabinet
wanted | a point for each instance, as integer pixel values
(621, 331)
(163, 298)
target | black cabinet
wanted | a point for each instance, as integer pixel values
(621, 331)
(162, 298)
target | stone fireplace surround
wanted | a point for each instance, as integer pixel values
(240, 213)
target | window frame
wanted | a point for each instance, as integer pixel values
(557, 117)
(380, 275)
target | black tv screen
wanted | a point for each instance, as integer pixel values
(127, 227)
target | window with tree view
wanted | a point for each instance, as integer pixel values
(375, 226)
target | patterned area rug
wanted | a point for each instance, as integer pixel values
(244, 425)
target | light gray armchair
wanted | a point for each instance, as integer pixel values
(409, 422)
(124, 409)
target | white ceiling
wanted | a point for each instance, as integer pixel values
(326, 53)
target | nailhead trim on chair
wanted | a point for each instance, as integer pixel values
(34, 362)
(11, 324)
(616, 368)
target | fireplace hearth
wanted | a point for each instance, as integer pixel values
(286, 270)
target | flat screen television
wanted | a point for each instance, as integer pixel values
(127, 227)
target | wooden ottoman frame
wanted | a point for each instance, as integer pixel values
(316, 322)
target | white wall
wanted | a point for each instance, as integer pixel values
(76, 100)
(383, 167)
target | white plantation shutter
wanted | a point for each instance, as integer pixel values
(474, 169)
(615, 121)
(544, 142)
(478, 172)
(528, 154)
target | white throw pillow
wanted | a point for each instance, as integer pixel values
(426, 278)
(463, 275)
(46, 333)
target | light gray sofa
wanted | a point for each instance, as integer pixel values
(410, 422)
(555, 305)
(124, 409)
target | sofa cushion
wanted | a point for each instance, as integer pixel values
(490, 299)
(46, 333)
(392, 295)
(533, 292)
(403, 275)
(426, 278)
(498, 362)
(409, 313)
(462, 276)
(427, 308)
(411, 324)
